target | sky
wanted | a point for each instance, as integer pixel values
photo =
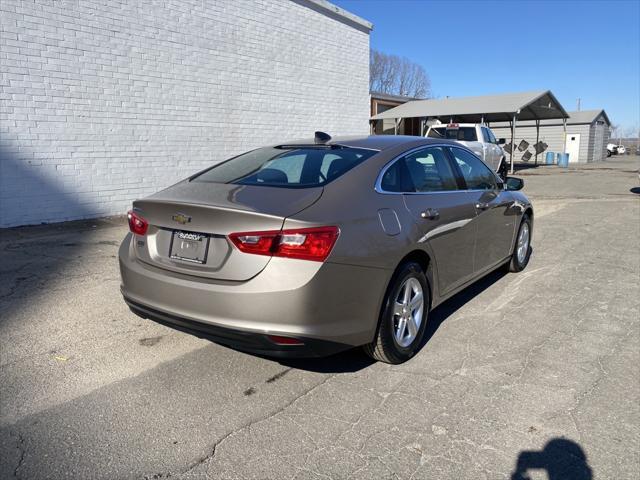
(587, 49)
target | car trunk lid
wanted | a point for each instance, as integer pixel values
(189, 224)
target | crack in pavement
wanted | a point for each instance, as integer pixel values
(582, 396)
(22, 450)
(248, 425)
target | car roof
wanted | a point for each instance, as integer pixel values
(377, 142)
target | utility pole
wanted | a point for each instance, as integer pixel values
(578, 104)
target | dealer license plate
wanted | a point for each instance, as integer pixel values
(189, 246)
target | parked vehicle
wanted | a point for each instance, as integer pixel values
(613, 149)
(309, 248)
(478, 138)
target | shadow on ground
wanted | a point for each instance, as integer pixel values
(561, 459)
(355, 359)
(519, 166)
(33, 256)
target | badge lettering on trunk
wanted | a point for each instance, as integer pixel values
(181, 218)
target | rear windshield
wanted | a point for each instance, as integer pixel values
(286, 167)
(465, 134)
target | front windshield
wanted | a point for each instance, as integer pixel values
(286, 166)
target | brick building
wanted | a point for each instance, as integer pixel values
(102, 102)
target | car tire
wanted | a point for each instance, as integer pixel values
(403, 320)
(608, 153)
(522, 248)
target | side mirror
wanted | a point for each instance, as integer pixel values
(501, 141)
(513, 183)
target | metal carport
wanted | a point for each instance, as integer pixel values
(508, 107)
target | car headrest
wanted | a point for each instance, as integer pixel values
(338, 166)
(272, 175)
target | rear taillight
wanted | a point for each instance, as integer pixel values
(305, 243)
(137, 224)
(259, 243)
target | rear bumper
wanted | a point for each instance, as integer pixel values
(330, 307)
(240, 340)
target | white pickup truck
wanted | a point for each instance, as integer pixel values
(613, 149)
(477, 138)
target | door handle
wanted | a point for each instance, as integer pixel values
(430, 214)
(483, 205)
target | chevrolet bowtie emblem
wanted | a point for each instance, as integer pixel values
(181, 218)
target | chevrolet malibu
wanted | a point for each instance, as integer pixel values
(309, 248)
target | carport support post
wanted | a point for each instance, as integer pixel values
(537, 139)
(513, 140)
(564, 136)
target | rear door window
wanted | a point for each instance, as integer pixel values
(476, 174)
(397, 178)
(289, 166)
(426, 170)
(430, 170)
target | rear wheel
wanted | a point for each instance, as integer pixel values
(403, 318)
(522, 249)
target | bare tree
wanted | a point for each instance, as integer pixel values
(615, 130)
(397, 75)
(631, 132)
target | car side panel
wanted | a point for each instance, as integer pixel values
(496, 225)
(450, 235)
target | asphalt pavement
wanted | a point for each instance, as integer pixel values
(535, 373)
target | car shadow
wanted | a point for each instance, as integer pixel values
(560, 459)
(355, 359)
(348, 361)
(443, 311)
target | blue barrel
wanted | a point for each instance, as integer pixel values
(558, 158)
(563, 161)
(548, 159)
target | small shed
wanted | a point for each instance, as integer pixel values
(512, 108)
(381, 102)
(585, 139)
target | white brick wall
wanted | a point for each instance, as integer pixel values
(102, 102)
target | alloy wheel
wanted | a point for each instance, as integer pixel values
(407, 312)
(523, 243)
